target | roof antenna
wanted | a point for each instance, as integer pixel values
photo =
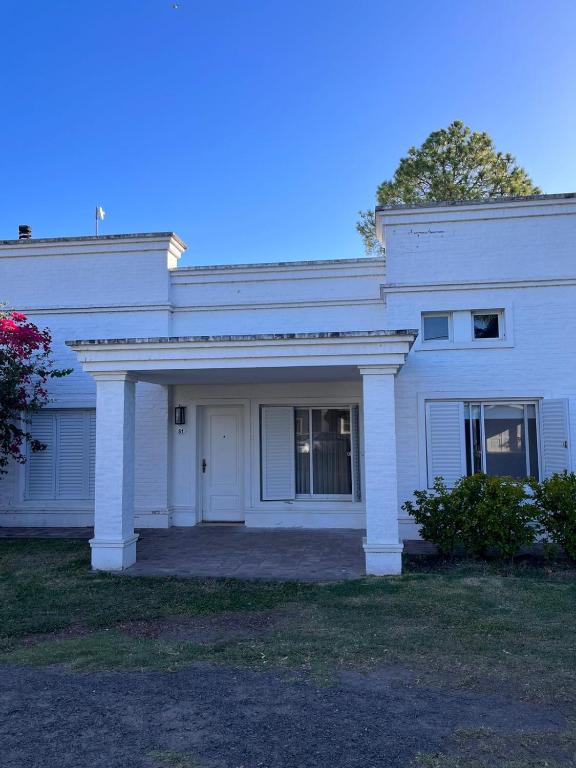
(100, 213)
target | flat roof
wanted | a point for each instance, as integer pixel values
(33, 241)
(95, 239)
(246, 337)
(289, 264)
(483, 201)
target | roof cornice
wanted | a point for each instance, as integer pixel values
(147, 236)
(457, 211)
(487, 201)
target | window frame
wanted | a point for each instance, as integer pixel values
(327, 496)
(501, 326)
(524, 403)
(448, 316)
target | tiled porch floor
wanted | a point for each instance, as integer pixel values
(251, 553)
(238, 552)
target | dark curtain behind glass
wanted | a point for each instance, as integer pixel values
(331, 451)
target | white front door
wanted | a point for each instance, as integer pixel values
(221, 463)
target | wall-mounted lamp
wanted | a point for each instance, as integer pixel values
(180, 415)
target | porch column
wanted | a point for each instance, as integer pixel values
(114, 542)
(382, 545)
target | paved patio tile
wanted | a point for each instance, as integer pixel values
(235, 551)
(251, 553)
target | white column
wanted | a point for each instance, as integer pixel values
(114, 542)
(382, 545)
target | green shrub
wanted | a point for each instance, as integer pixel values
(438, 515)
(499, 515)
(481, 514)
(555, 500)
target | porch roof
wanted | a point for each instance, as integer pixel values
(244, 337)
(343, 352)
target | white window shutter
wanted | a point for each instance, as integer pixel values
(41, 465)
(65, 470)
(445, 441)
(278, 459)
(72, 470)
(554, 436)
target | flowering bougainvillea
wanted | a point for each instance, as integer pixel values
(26, 366)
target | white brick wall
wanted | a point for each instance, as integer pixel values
(151, 461)
(532, 260)
(520, 257)
(118, 289)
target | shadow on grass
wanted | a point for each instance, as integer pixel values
(485, 748)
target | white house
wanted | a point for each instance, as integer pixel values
(308, 394)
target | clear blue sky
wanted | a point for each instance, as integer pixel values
(256, 129)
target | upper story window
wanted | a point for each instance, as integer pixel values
(465, 329)
(436, 326)
(487, 325)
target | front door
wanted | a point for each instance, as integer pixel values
(222, 466)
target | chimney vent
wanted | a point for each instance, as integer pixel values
(24, 232)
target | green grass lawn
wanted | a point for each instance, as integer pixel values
(468, 624)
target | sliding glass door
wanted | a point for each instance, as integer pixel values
(501, 439)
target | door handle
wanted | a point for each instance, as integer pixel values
(203, 465)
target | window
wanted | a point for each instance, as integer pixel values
(323, 451)
(487, 325)
(501, 439)
(65, 469)
(454, 329)
(515, 438)
(309, 452)
(436, 327)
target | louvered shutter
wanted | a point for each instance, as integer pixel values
(40, 466)
(554, 436)
(278, 455)
(445, 441)
(65, 470)
(72, 468)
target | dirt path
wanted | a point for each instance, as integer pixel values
(230, 718)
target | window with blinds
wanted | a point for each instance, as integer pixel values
(65, 469)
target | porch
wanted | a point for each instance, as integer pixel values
(257, 437)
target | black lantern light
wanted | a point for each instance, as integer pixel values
(180, 415)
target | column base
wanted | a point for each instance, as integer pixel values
(113, 554)
(383, 559)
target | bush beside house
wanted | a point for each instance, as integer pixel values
(482, 514)
(555, 502)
